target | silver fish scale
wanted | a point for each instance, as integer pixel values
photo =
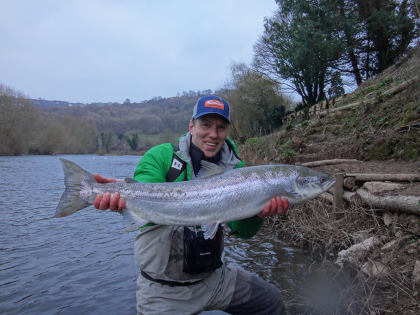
(218, 199)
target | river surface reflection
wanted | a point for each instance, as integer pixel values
(84, 263)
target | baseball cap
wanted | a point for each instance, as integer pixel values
(211, 105)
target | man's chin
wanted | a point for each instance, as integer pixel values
(209, 154)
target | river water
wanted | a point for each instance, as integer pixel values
(83, 264)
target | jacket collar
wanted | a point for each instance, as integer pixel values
(228, 159)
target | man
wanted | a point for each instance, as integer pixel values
(181, 272)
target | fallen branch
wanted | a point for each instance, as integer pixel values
(350, 183)
(384, 177)
(408, 204)
(350, 196)
(414, 125)
(327, 162)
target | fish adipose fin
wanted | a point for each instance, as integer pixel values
(70, 201)
(209, 169)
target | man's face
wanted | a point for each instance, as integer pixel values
(209, 132)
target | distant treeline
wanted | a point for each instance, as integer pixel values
(28, 129)
(257, 108)
(25, 129)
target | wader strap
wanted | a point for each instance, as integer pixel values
(177, 167)
(165, 282)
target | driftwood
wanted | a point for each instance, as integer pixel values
(409, 204)
(384, 177)
(350, 183)
(346, 188)
(382, 187)
(350, 196)
(327, 162)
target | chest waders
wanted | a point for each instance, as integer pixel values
(200, 255)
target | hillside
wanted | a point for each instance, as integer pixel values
(385, 125)
(378, 126)
(148, 117)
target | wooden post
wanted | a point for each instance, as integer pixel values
(338, 191)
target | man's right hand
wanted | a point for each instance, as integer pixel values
(105, 201)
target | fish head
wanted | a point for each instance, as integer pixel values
(309, 183)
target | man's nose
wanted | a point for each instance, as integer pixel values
(213, 132)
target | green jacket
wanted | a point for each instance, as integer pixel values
(156, 163)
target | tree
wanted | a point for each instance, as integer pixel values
(300, 45)
(133, 141)
(389, 28)
(107, 138)
(254, 100)
(307, 42)
(18, 121)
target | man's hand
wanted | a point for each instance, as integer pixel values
(103, 202)
(275, 206)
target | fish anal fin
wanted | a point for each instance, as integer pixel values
(210, 230)
(131, 221)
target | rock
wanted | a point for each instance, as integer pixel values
(360, 236)
(375, 269)
(387, 217)
(390, 245)
(416, 272)
(357, 251)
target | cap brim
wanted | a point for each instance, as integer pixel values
(210, 113)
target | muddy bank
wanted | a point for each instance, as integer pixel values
(378, 249)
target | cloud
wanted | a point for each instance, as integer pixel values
(110, 50)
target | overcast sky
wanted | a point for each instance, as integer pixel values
(109, 50)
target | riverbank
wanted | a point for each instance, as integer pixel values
(377, 248)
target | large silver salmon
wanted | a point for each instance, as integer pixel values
(215, 197)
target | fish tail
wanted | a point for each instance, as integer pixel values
(70, 201)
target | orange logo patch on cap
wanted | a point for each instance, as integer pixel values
(214, 104)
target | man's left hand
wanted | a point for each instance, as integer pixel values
(275, 206)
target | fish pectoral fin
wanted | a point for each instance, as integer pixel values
(131, 221)
(294, 195)
(210, 230)
(209, 169)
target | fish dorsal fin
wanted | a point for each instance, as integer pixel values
(209, 169)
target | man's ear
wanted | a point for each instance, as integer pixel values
(190, 125)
